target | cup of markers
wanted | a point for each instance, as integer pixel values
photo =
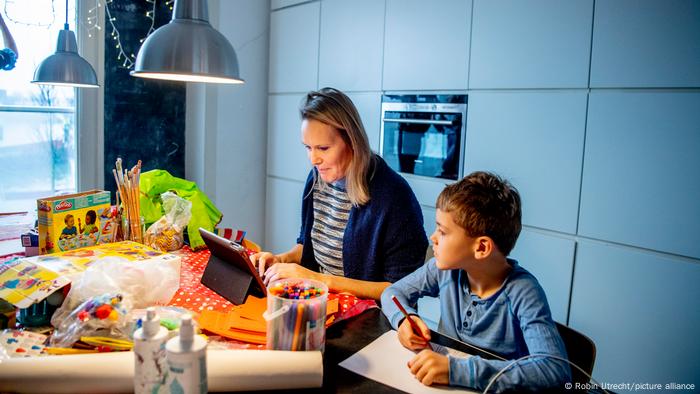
(296, 314)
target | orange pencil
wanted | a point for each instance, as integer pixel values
(413, 324)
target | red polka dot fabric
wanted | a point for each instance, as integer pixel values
(196, 297)
(192, 294)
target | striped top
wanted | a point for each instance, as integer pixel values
(331, 211)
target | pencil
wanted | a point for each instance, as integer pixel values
(413, 324)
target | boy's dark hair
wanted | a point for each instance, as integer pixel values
(92, 215)
(484, 204)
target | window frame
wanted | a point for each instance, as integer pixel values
(88, 110)
(90, 104)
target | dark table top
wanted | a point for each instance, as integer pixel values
(343, 339)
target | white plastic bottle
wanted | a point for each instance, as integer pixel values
(187, 360)
(150, 367)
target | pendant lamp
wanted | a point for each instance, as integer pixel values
(188, 49)
(66, 67)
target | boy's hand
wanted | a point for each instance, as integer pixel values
(430, 368)
(410, 339)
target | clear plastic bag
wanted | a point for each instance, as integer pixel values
(103, 315)
(167, 233)
(139, 283)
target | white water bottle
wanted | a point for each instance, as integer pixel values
(149, 352)
(187, 360)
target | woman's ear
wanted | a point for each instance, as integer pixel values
(484, 247)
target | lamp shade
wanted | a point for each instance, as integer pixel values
(66, 67)
(188, 49)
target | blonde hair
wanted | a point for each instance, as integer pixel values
(334, 108)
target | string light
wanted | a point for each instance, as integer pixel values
(92, 24)
(46, 25)
(152, 16)
(92, 20)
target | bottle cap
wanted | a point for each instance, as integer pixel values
(152, 323)
(186, 330)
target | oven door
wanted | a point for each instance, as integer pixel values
(426, 143)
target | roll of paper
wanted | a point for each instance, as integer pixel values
(227, 370)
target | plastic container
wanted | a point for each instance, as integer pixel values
(37, 315)
(149, 354)
(296, 320)
(187, 360)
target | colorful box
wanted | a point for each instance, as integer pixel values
(71, 221)
(24, 282)
(30, 238)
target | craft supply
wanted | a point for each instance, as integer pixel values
(167, 233)
(108, 343)
(149, 354)
(413, 324)
(19, 343)
(385, 360)
(187, 360)
(296, 315)
(95, 314)
(128, 188)
(67, 350)
(68, 222)
(228, 370)
(25, 282)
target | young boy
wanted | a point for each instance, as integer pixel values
(486, 299)
(90, 225)
(69, 230)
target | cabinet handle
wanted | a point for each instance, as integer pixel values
(420, 121)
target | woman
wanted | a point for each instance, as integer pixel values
(362, 227)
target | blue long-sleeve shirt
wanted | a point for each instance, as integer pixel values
(513, 322)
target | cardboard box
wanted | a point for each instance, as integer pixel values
(30, 238)
(24, 282)
(71, 221)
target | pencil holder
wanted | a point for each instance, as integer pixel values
(296, 314)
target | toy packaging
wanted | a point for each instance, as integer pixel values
(24, 282)
(72, 221)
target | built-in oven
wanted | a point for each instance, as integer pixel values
(423, 134)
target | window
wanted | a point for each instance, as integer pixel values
(38, 138)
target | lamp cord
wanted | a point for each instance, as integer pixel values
(544, 355)
(65, 26)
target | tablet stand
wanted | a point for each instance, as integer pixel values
(227, 280)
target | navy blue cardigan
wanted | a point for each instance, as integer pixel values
(384, 239)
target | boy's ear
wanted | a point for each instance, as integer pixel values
(484, 247)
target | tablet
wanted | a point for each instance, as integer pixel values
(229, 272)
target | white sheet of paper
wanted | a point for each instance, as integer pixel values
(385, 360)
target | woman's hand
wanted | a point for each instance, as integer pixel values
(430, 368)
(282, 271)
(263, 260)
(408, 338)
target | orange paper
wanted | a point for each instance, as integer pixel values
(245, 322)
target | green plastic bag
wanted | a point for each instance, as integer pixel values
(204, 212)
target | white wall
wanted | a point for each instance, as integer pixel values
(589, 107)
(226, 126)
